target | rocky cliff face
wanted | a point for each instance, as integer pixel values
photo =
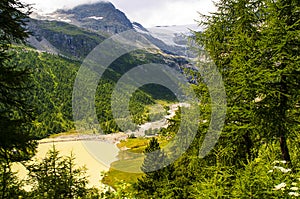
(63, 38)
(75, 32)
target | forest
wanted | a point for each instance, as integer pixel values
(253, 44)
(52, 77)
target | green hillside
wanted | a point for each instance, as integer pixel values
(53, 79)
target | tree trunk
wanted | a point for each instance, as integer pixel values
(249, 145)
(284, 148)
(282, 129)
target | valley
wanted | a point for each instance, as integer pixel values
(95, 152)
(95, 105)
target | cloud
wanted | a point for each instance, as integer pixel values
(147, 12)
(47, 6)
(164, 12)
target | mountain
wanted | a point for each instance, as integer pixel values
(101, 16)
(75, 32)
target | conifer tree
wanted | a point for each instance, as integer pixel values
(154, 183)
(15, 113)
(280, 64)
(15, 109)
(57, 177)
(255, 45)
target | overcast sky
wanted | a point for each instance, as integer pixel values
(147, 12)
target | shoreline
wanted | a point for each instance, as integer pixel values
(109, 138)
(77, 144)
(114, 138)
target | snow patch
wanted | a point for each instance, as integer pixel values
(64, 20)
(96, 18)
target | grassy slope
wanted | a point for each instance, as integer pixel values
(137, 145)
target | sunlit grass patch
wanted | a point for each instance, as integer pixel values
(131, 145)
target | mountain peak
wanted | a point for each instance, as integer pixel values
(87, 10)
(100, 16)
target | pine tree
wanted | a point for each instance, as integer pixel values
(15, 110)
(255, 46)
(155, 181)
(280, 64)
(152, 160)
(57, 177)
(229, 39)
(10, 186)
(15, 113)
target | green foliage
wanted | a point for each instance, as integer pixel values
(279, 55)
(229, 41)
(124, 190)
(152, 158)
(266, 177)
(255, 46)
(53, 80)
(13, 17)
(149, 185)
(57, 177)
(15, 111)
(10, 187)
(250, 44)
(52, 91)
